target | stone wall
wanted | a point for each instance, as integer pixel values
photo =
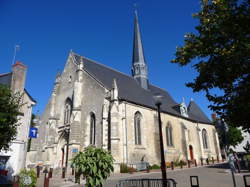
(185, 133)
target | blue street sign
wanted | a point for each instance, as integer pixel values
(33, 132)
(74, 150)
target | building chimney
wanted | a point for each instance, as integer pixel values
(214, 116)
(18, 77)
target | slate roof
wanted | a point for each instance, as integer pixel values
(195, 112)
(31, 98)
(5, 78)
(131, 91)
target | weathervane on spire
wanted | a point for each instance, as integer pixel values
(135, 7)
(17, 48)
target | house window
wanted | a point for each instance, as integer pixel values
(205, 139)
(92, 129)
(137, 125)
(169, 135)
(67, 111)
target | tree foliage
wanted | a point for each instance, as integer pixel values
(95, 164)
(234, 136)
(229, 135)
(220, 52)
(10, 104)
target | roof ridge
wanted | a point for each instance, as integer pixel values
(3, 74)
(104, 65)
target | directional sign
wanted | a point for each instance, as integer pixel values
(33, 132)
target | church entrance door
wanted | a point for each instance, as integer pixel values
(61, 150)
(191, 152)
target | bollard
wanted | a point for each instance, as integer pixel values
(245, 180)
(50, 172)
(172, 165)
(207, 160)
(73, 171)
(37, 171)
(63, 172)
(45, 184)
(181, 164)
(16, 181)
(195, 163)
(196, 183)
(213, 160)
(201, 161)
(188, 163)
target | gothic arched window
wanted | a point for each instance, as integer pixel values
(169, 135)
(137, 124)
(67, 111)
(92, 129)
(205, 139)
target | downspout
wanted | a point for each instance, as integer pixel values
(126, 133)
(109, 127)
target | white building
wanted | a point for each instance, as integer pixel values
(239, 147)
(18, 149)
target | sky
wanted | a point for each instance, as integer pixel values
(46, 31)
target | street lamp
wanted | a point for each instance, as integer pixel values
(158, 102)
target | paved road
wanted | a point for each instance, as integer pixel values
(213, 176)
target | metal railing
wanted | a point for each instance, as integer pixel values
(146, 183)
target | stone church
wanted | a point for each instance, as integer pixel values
(92, 104)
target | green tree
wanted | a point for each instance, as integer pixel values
(234, 136)
(229, 135)
(95, 164)
(10, 104)
(220, 52)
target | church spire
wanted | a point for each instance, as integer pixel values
(139, 66)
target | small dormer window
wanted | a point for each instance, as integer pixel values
(183, 109)
(70, 79)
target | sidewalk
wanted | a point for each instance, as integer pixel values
(208, 174)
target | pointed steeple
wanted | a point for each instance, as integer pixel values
(139, 66)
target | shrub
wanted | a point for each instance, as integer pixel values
(95, 164)
(123, 168)
(27, 178)
(155, 166)
(247, 157)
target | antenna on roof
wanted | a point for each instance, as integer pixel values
(17, 48)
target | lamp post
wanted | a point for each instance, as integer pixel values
(158, 102)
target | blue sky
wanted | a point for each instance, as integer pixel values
(47, 30)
